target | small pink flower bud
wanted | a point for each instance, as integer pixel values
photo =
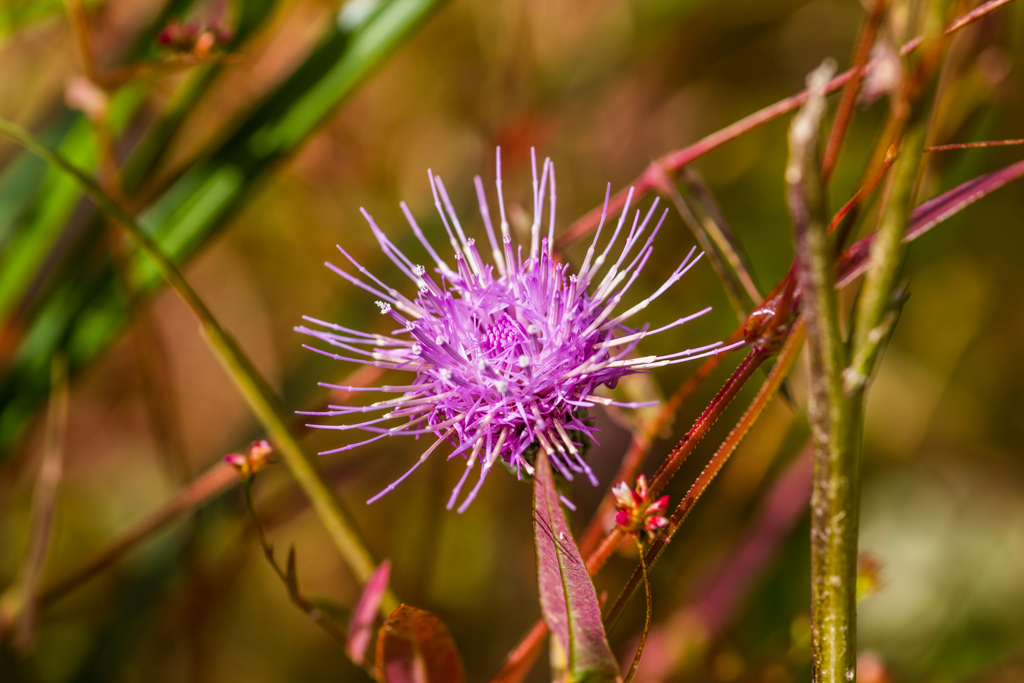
(659, 506)
(254, 460)
(623, 494)
(641, 488)
(236, 459)
(635, 513)
(655, 523)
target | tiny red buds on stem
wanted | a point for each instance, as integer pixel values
(635, 512)
(253, 460)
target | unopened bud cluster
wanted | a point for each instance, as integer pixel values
(635, 511)
(191, 37)
(253, 460)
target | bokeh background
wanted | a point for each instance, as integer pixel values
(602, 87)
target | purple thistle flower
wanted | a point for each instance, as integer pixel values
(504, 355)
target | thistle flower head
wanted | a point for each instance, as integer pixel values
(505, 355)
(635, 513)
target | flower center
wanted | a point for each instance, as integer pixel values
(503, 339)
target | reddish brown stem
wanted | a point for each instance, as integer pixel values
(79, 24)
(118, 76)
(844, 112)
(843, 222)
(972, 145)
(19, 603)
(520, 660)
(708, 418)
(976, 14)
(718, 460)
(641, 444)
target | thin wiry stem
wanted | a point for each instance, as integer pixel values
(972, 145)
(647, 617)
(150, 353)
(289, 576)
(80, 37)
(254, 388)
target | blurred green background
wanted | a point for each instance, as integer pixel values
(245, 182)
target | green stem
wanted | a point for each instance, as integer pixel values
(835, 420)
(257, 392)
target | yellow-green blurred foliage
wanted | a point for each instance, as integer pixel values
(602, 87)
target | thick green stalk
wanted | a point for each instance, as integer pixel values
(261, 397)
(835, 420)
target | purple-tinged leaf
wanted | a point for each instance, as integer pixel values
(360, 625)
(414, 646)
(567, 596)
(927, 215)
